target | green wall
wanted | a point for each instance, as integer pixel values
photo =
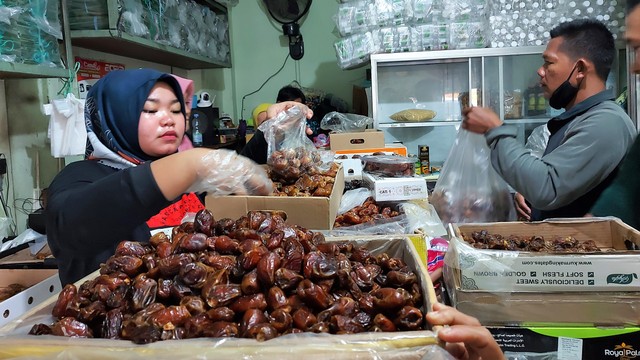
(258, 49)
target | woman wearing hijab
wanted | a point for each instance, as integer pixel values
(135, 122)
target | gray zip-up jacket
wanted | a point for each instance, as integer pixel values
(587, 144)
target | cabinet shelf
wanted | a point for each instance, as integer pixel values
(540, 120)
(123, 44)
(27, 71)
(419, 124)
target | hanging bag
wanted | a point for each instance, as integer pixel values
(469, 189)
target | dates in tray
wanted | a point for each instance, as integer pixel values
(255, 277)
(388, 165)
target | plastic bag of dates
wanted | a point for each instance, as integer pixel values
(469, 189)
(291, 153)
(255, 278)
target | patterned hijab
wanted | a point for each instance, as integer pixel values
(112, 112)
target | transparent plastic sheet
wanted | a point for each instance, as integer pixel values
(537, 140)
(341, 122)
(8, 12)
(46, 14)
(468, 35)
(422, 218)
(154, 18)
(131, 19)
(354, 17)
(33, 45)
(88, 14)
(290, 152)
(416, 217)
(426, 37)
(421, 11)
(224, 172)
(355, 49)
(409, 345)
(9, 44)
(353, 198)
(469, 189)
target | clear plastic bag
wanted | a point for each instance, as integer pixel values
(341, 123)
(537, 141)
(353, 198)
(290, 153)
(469, 189)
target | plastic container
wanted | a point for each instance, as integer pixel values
(389, 165)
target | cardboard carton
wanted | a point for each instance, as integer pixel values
(316, 213)
(404, 345)
(40, 285)
(396, 188)
(368, 139)
(513, 288)
(387, 149)
(586, 343)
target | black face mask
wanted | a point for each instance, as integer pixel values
(563, 95)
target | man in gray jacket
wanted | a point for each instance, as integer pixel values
(587, 142)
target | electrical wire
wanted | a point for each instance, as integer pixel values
(263, 84)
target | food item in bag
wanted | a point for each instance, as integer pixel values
(388, 165)
(413, 115)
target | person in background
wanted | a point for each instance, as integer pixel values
(587, 142)
(132, 171)
(187, 93)
(621, 199)
(466, 338)
(259, 114)
(256, 148)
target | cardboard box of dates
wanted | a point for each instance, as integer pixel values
(311, 212)
(417, 344)
(575, 271)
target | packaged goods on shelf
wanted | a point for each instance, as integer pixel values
(30, 32)
(88, 14)
(503, 287)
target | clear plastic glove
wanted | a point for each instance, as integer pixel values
(523, 209)
(224, 172)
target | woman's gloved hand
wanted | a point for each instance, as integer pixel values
(224, 172)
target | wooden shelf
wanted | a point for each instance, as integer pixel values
(123, 44)
(27, 71)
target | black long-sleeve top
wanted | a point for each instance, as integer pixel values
(92, 207)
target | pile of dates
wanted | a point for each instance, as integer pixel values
(297, 172)
(255, 277)
(485, 240)
(288, 165)
(368, 212)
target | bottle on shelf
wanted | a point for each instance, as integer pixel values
(197, 128)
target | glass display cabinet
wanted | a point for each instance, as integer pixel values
(504, 79)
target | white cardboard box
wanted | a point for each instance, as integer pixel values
(394, 189)
(501, 270)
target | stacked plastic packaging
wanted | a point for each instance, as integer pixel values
(30, 32)
(182, 24)
(386, 26)
(374, 26)
(527, 22)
